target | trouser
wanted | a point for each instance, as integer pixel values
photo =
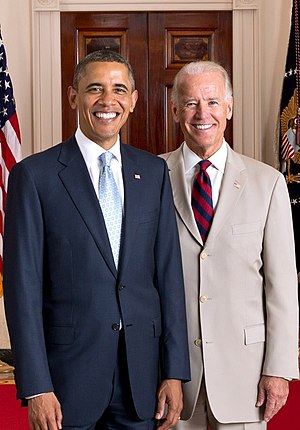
(120, 413)
(203, 418)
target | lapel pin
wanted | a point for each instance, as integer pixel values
(137, 176)
(236, 184)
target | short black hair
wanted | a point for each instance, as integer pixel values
(101, 56)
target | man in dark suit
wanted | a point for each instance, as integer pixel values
(98, 332)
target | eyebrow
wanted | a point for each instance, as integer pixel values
(98, 84)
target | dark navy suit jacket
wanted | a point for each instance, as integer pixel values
(64, 297)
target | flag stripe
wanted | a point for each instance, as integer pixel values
(287, 151)
(10, 146)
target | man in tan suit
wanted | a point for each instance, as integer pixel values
(241, 282)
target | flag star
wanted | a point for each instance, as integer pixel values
(290, 72)
(1, 55)
(6, 98)
(295, 71)
(6, 71)
(1, 42)
(7, 84)
(4, 112)
(294, 201)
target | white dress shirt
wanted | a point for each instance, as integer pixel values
(215, 170)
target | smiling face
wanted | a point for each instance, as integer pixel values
(104, 99)
(202, 111)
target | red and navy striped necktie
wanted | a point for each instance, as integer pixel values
(202, 204)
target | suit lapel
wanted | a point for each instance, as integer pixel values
(77, 182)
(233, 183)
(180, 193)
(133, 188)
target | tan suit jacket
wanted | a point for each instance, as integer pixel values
(241, 287)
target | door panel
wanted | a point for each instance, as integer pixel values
(177, 39)
(157, 45)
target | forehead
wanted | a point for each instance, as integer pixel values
(105, 72)
(206, 84)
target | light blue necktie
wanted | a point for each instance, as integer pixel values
(111, 205)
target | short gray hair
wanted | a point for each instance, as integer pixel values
(198, 67)
(101, 56)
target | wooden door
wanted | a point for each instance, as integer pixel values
(157, 44)
(126, 33)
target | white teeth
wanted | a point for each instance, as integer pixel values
(106, 115)
(203, 126)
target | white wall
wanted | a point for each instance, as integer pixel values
(15, 20)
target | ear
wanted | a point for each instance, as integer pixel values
(72, 96)
(229, 108)
(175, 113)
(134, 97)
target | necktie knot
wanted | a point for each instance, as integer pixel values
(106, 158)
(204, 164)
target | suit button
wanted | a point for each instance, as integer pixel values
(198, 342)
(115, 327)
(203, 299)
(120, 287)
(203, 255)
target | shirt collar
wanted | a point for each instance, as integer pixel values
(91, 150)
(218, 159)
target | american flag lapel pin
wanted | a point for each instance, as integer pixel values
(137, 176)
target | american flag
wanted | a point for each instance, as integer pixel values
(10, 139)
(287, 150)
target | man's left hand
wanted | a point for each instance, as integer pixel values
(170, 395)
(274, 392)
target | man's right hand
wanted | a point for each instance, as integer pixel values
(44, 412)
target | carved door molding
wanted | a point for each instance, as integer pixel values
(246, 54)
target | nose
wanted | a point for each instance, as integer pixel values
(201, 110)
(107, 97)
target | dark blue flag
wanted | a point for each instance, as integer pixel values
(290, 125)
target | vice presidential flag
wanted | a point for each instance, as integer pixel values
(290, 125)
